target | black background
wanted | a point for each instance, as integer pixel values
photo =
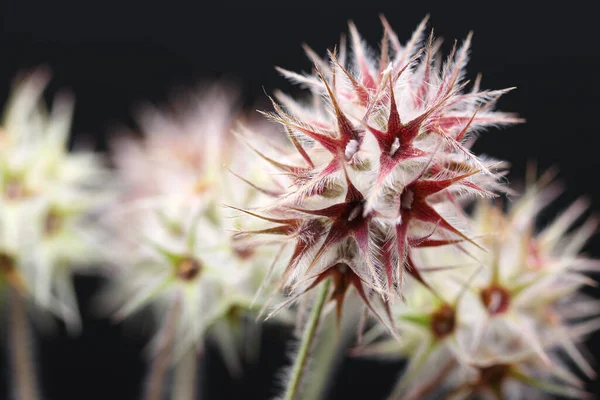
(114, 55)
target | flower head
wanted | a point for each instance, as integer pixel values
(509, 316)
(173, 233)
(379, 161)
(48, 196)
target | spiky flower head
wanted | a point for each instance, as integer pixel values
(173, 232)
(380, 161)
(48, 195)
(520, 315)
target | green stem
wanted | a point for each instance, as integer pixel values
(24, 384)
(293, 385)
(160, 362)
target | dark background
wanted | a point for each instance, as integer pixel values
(114, 55)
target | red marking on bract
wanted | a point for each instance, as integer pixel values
(496, 299)
(414, 206)
(360, 91)
(346, 136)
(535, 256)
(443, 321)
(7, 263)
(396, 143)
(343, 277)
(412, 269)
(346, 130)
(493, 376)
(307, 234)
(243, 252)
(188, 268)
(52, 223)
(347, 220)
(14, 189)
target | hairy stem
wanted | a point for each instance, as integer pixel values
(23, 378)
(330, 351)
(160, 361)
(293, 385)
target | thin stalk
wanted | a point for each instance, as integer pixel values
(160, 362)
(293, 385)
(432, 384)
(185, 382)
(330, 351)
(23, 378)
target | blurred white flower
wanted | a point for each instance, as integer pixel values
(48, 194)
(173, 245)
(521, 314)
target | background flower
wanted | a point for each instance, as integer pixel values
(49, 196)
(173, 245)
(511, 318)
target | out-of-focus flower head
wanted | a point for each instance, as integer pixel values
(380, 161)
(48, 194)
(499, 372)
(524, 314)
(433, 323)
(173, 232)
(532, 286)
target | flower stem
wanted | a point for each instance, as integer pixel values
(24, 384)
(293, 385)
(433, 383)
(335, 338)
(160, 361)
(185, 380)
